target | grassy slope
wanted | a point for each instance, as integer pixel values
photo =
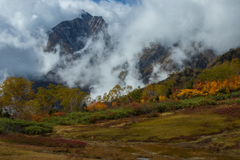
(204, 132)
(207, 132)
(9, 151)
(179, 125)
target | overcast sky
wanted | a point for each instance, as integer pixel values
(131, 2)
(133, 25)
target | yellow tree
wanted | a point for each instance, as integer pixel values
(127, 89)
(72, 99)
(47, 98)
(235, 66)
(57, 96)
(150, 91)
(135, 95)
(115, 93)
(106, 97)
(14, 96)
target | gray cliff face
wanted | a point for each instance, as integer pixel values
(72, 35)
(157, 54)
(149, 57)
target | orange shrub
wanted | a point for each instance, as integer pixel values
(39, 117)
(135, 106)
(214, 87)
(234, 83)
(143, 101)
(187, 93)
(162, 98)
(98, 106)
(211, 88)
(59, 113)
(114, 104)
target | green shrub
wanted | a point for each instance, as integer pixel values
(235, 94)
(1, 112)
(237, 101)
(70, 118)
(34, 130)
(1, 129)
(147, 108)
(229, 101)
(121, 113)
(220, 97)
(225, 96)
(162, 107)
(21, 126)
(111, 114)
(90, 117)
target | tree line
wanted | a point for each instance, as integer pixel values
(18, 100)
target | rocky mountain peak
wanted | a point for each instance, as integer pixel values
(72, 35)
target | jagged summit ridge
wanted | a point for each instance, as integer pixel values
(72, 35)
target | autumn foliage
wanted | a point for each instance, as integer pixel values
(98, 106)
(211, 88)
(15, 94)
(18, 100)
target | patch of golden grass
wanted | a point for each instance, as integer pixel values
(165, 128)
(228, 141)
(24, 152)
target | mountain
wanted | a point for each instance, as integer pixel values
(227, 57)
(73, 35)
(74, 39)
(69, 37)
(162, 56)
